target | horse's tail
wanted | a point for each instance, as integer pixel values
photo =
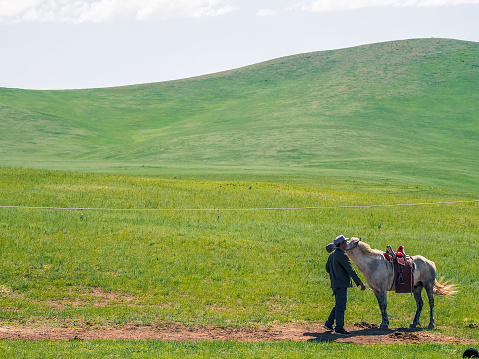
(443, 288)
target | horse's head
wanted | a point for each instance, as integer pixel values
(353, 243)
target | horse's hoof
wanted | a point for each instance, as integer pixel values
(383, 327)
(431, 326)
(413, 326)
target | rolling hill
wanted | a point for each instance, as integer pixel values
(404, 111)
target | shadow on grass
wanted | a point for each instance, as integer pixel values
(369, 336)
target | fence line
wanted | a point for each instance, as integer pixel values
(238, 209)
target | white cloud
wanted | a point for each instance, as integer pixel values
(339, 5)
(79, 11)
(266, 12)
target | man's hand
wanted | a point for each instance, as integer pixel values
(363, 287)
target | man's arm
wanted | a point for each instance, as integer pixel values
(346, 263)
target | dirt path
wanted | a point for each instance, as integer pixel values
(361, 334)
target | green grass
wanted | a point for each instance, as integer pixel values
(249, 268)
(157, 349)
(404, 112)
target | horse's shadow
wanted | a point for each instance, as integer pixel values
(364, 332)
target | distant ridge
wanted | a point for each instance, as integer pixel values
(403, 110)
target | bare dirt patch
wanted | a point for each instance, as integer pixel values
(360, 334)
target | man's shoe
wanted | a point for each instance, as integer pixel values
(328, 327)
(342, 332)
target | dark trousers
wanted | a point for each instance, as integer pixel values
(341, 297)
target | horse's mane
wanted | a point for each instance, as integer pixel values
(366, 249)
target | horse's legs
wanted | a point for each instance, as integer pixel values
(430, 296)
(383, 303)
(419, 303)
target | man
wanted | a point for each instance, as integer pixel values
(340, 273)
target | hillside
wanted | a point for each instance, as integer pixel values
(404, 111)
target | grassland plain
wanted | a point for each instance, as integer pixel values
(402, 111)
(377, 124)
(248, 269)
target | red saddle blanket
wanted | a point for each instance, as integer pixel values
(403, 270)
(403, 276)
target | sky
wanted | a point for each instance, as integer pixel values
(73, 44)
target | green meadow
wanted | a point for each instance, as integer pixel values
(209, 201)
(237, 268)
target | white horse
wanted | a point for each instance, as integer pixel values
(379, 275)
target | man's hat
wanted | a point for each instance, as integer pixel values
(340, 239)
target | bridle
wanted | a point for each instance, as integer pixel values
(355, 244)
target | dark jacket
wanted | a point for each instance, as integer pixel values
(341, 270)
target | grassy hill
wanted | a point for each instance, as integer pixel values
(403, 111)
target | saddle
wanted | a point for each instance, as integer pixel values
(403, 269)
